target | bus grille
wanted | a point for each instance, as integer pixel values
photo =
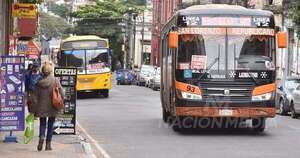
(226, 91)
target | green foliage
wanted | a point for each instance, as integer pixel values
(52, 26)
(31, 1)
(112, 9)
(103, 20)
(60, 10)
(295, 15)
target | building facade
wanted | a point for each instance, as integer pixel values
(162, 11)
(5, 25)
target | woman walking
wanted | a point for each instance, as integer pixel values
(44, 108)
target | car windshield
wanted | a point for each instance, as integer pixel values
(292, 84)
(146, 70)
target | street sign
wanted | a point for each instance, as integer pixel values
(24, 10)
(12, 93)
(66, 122)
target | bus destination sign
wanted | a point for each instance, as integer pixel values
(195, 20)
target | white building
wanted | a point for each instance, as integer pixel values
(142, 52)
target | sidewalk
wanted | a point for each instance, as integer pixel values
(64, 146)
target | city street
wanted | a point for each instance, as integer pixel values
(128, 125)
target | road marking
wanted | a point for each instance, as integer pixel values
(99, 148)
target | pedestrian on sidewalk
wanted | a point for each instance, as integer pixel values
(31, 79)
(44, 108)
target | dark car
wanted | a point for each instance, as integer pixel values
(286, 97)
(125, 76)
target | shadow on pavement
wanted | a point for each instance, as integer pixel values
(221, 132)
(90, 95)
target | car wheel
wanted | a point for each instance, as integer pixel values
(259, 124)
(118, 82)
(293, 111)
(282, 110)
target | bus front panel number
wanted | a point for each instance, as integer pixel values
(190, 88)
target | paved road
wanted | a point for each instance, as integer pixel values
(128, 125)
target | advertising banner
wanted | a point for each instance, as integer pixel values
(12, 93)
(66, 122)
(24, 10)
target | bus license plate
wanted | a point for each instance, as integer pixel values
(225, 112)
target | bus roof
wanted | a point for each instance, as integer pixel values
(79, 38)
(223, 9)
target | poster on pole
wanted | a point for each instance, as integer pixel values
(65, 123)
(12, 93)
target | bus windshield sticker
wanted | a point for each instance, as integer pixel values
(203, 31)
(226, 21)
(188, 74)
(95, 66)
(198, 62)
(230, 31)
(184, 66)
(250, 31)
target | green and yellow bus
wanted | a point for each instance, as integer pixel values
(91, 56)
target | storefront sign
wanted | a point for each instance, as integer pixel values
(66, 123)
(22, 10)
(12, 93)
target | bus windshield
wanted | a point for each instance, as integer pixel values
(88, 61)
(231, 48)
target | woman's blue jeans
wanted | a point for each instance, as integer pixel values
(43, 125)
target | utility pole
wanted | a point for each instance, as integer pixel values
(143, 34)
(134, 37)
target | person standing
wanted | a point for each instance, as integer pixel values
(32, 77)
(44, 108)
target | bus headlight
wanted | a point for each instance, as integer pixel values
(190, 96)
(263, 97)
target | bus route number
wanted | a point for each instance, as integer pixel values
(190, 88)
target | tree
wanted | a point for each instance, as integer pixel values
(295, 15)
(52, 26)
(60, 10)
(103, 19)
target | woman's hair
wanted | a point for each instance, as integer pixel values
(47, 68)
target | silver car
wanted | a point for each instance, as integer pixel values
(144, 74)
(288, 97)
(155, 81)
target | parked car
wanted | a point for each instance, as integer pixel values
(125, 76)
(287, 98)
(155, 80)
(143, 74)
(149, 77)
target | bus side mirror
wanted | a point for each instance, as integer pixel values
(282, 39)
(173, 39)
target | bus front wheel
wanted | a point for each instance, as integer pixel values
(259, 124)
(105, 93)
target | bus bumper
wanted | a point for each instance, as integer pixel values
(240, 112)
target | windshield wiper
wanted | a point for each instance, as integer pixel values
(209, 67)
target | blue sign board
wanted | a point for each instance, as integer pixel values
(12, 76)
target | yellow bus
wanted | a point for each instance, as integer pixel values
(91, 56)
